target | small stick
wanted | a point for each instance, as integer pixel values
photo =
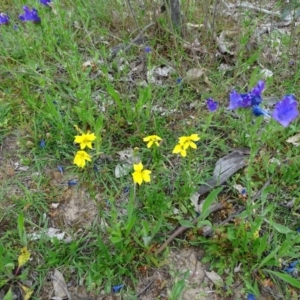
(215, 208)
(268, 12)
(182, 229)
(145, 288)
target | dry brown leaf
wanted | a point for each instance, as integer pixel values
(194, 74)
(295, 140)
(59, 285)
(89, 64)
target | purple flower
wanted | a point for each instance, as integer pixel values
(60, 169)
(291, 267)
(4, 19)
(30, 15)
(246, 100)
(178, 80)
(42, 143)
(250, 297)
(238, 100)
(258, 111)
(286, 110)
(211, 104)
(147, 49)
(72, 182)
(45, 2)
(117, 288)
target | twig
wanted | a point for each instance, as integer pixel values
(182, 229)
(136, 41)
(145, 288)
(215, 208)
(241, 209)
(62, 285)
(251, 6)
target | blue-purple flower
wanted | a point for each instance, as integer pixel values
(258, 111)
(250, 296)
(246, 100)
(291, 267)
(117, 288)
(211, 104)
(45, 2)
(286, 110)
(42, 144)
(72, 182)
(4, 19)
(239, 100)
(147, 49)
(30, 15)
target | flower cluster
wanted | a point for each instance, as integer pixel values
(285, 111)
(29, 15)
(184, 143)
(141, 175)
(84, 140)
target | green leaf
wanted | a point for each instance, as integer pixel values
(8, 296)
(186, 223)
(208, 202)
(267, 258)
(21, 229)
(129, 225)
(157, 227)
(111, 91)
(262, 245)
(285, 277)
(3, 282)
(202, 223)
(116, 239)
(145, 227)
(280, 228)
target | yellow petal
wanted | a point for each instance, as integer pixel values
(147, 138)
(146, 175)
(78, 139)
(183, 140)
(194, 137)
(137, 177)
(24, 257)
(149, 144)
(183, 153)
(193, 145)
(177, 149)
(138, 167)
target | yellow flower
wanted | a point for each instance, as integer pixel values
(152, 139)
(28, 292)
(24, 257)
(179, 148)
(188, 141)
(256, 234)
(139, 175)
(80, 158)
(85, 140)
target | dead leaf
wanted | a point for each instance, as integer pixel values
(194, 74)
(224, 169)
(59, 285)
(51, 232)
(215, 278)
(122, 170)
(89, 64)
(156, 74)
(222, 45)
(295, 140)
